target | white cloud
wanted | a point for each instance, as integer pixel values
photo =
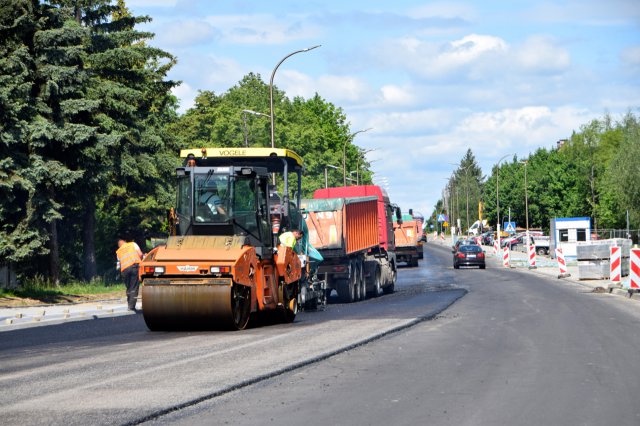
(207, 72)
(186, 94)
(336, 89)
(539, 53)
(184, 33)
(518, 130)
(263, 28)
(470, 54)
(396, 95)
(469, 50)
(411, 122)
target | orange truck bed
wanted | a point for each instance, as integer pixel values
(407, 234)
(342, 226)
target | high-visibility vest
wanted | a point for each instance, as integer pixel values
(288, 239)
(128, 255)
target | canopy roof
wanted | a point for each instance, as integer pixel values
(271, 158)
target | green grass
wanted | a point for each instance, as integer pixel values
(40, 289)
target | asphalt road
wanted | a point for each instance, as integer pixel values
(518, 349)
(115, 371)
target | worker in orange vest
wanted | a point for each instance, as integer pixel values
(129, 257)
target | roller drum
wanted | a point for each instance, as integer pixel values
(196, 307)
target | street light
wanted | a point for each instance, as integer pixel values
(326, 175)
(526, 201)
(344, 153)
(273, 74)
(497, 197)
(244, 120)
(362, 154)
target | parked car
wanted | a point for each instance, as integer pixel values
(487, 238)
(468, 255)
(512, 242)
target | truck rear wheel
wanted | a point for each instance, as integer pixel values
(346, 291)
(377, 284)
(354, 279)
(362, 283)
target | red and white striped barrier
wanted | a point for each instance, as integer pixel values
(562, 265)
(442, 236)
(532, 256)
(506, 258)
(615, 263)
(496, 248)
(634, 269)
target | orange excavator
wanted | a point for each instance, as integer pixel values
(222, 262)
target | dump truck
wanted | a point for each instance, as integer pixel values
(408, 244)
(352, 228)
(422, 236)
(222, 262)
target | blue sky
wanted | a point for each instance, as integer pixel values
(431, 79)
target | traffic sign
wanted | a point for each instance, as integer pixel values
(510, 227)
(441, 217)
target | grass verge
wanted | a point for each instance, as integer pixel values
(39, 292)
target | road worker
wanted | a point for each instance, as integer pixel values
(209, 203)
(290, 238)
(129, 257)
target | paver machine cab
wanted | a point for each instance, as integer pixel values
(222, 261)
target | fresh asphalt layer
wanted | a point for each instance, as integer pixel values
(519, 349)
(114, 371)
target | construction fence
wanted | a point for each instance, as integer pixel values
(607, 234)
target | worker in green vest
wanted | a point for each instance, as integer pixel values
(290, 238)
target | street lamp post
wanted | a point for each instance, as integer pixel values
(362, 154)
(447, 195)
(326, 175)
(466, 184)
(526, 202)
(244, 120)
(497, 197)
(273, 74)
(344, 153)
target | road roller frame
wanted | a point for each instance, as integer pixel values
(222, 263)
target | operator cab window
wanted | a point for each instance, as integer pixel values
(244, 210)
(211, 198)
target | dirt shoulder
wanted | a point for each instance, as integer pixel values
(16, 302)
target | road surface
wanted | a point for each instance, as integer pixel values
(518, 348)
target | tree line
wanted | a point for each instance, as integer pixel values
(90, 134)
(594, 173)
